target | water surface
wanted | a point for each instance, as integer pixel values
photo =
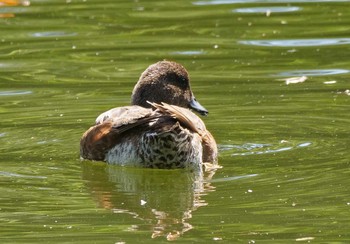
(284, 148)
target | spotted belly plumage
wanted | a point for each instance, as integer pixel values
(175, 147)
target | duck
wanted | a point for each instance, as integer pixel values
(158, 129)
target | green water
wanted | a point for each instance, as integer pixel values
(284, 148)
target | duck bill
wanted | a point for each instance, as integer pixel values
(198, 107)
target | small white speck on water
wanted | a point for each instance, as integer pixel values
(330, 82)
(305, 239)
(217, 239)
(294, 80)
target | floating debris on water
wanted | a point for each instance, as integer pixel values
(294, 80)
(217, 239)
(346, 92)
(305, 239)
(330, 82)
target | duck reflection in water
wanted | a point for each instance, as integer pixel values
(163, 200)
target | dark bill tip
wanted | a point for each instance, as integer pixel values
(198, 107)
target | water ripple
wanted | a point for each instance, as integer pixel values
(234, 178)
(258, 148)
(53, 34)
(314, 72)
(14, 93)
(190, 52)
(220, 2)
(266, 9)
(9, 174)
(297, 42)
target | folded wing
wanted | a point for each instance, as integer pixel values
(104, 135)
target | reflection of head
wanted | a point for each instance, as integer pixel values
(164, 199)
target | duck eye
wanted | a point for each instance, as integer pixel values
(183, 79)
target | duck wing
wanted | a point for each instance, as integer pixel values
(102, 136)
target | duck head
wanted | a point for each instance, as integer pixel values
(167, 82)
